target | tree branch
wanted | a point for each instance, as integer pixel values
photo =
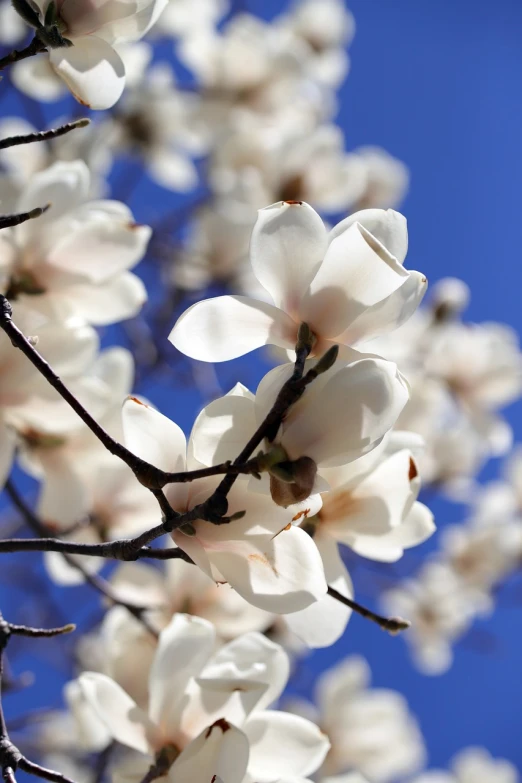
(35, 47)
(10, 757)
(393, 625)
(14, 141)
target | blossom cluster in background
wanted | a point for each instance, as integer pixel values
(269, 234)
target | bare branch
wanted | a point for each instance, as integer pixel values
(393, 625)
(14, 141)
(35, 47)
(7, 221)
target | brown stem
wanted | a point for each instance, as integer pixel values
(94, 580)
(35, 47)
(393, 625)
(14, 141)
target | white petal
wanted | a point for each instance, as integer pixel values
(90, 730)
(283, 745)
(326, 428)
(173, 170)
(222, 429)
(389, 227)
(184, 647)
(153, 437)
(255, 658)
(323, 623)
(389, 314)
(418, 526)
(117, 299)
(220, 329)
(220, 750)
(123, 718)
(64, 185)
(287, 247)
(101, 248)
(377, 504)
(357, 272)
(278, 574)
(36, 78)
(93, 71)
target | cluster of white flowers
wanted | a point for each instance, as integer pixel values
(183, 677)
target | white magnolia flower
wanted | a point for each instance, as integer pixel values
(75, 258)
(311, 166)
(371, 507)
(387, 178)
(91, 67)
(12, 27)
(326, 29)
(36, 77)
(348, 285)
(207, 713)
(473, 765)
(69, 346)
(483, 551)
(182, 587)
(270, 563)
(441, 608)
(180, 17)
(318, 431)
(371, 730)
(159, 123)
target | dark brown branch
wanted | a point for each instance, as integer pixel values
(393, 625)
(14, 141)
(94, 580)
(24, 630)
(115, 550)
(35, 47)
(215, 508)
(8, 221)
(150, 476)
(10, 757)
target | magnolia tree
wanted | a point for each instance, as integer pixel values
(221, 558)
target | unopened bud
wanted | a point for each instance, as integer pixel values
(302, 471)
(305, 337)
(327, 360)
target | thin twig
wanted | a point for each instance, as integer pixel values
(14, 141)
(10, 757)
(393, 625)
(35, 47)
(94, 580)
(7, 221)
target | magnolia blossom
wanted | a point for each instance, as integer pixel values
(207, 713)
(473, 765)
(270, 563)
(318, 431)
(75, 258)
(387, 178)
(159, 123)
(84, 489)
(311, 166)
(441, 608)
(37, 78)
(88, 61)
(181, 16)
(326, 30)
(371, 507)
(70, 346)
(370, 729)
(182, 587)
(348, 285)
